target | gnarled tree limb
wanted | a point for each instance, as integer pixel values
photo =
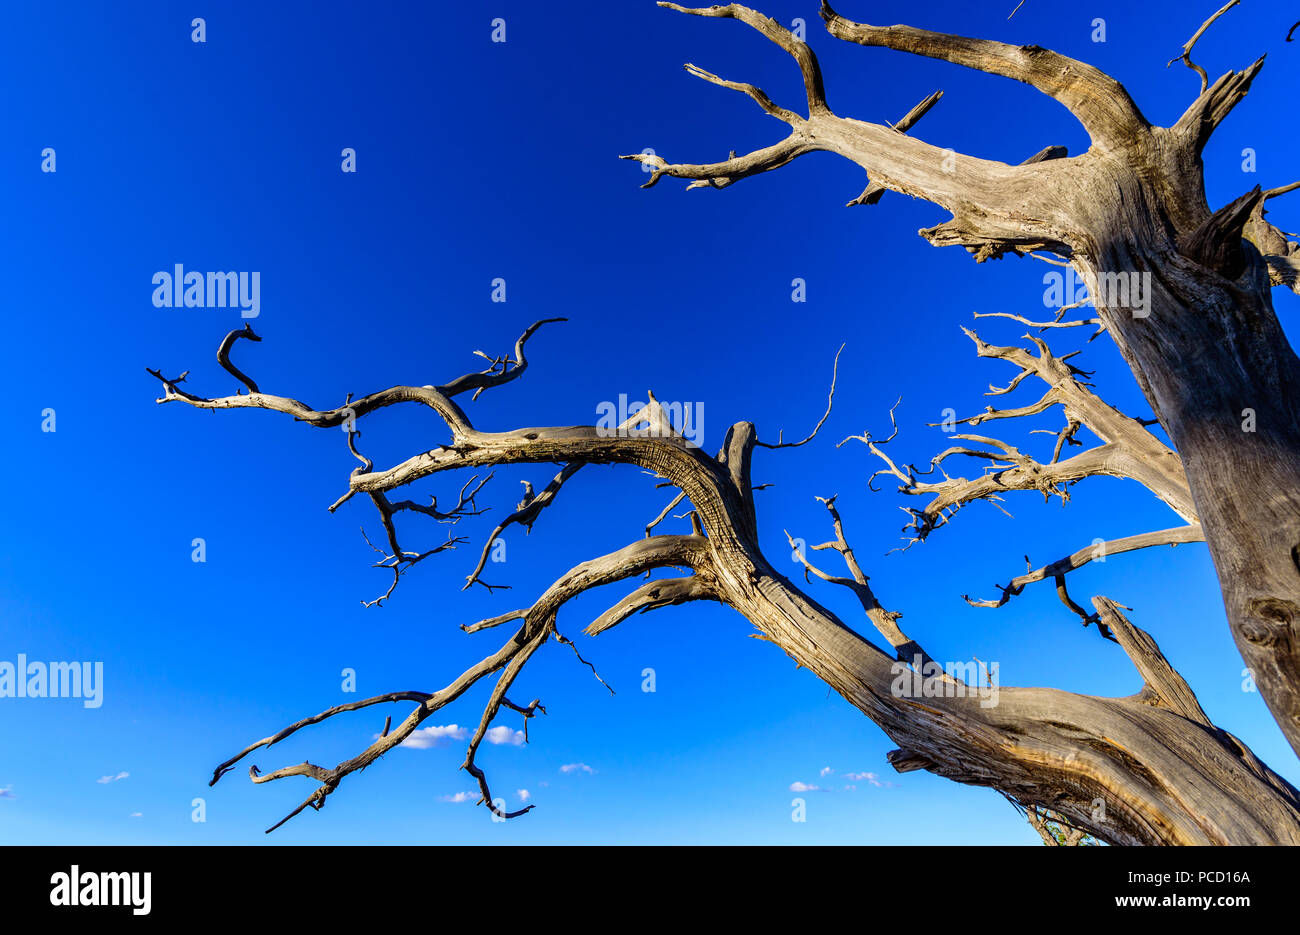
(1164, 777)
(1186, 302)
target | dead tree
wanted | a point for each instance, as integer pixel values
(1145, 769)
(1127, 450)
(1131, 216)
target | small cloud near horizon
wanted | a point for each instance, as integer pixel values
(105, 780)
(576, 767)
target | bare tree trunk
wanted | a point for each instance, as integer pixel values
(1146, 769)
(1159, 770)
(1198, 330)
(1225, 384)
(1205, 344)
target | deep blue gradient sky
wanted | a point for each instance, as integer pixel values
(479, 160)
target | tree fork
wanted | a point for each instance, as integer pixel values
(1208, 354)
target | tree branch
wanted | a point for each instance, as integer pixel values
(830, 401)
(873, 192)
(814, 90)
(1164, 686)
(1099, 102)
(525, 515)
(985, 197)
(1212, 106)
(1046, 748)
(885, 621)
(1186, 56)
(1063, 566)
(1128, 450)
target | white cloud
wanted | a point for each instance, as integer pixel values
(104, 780)
(7, 793)
(429, 737)
(867, 777)
(435, 736)
(573, 767)
(826, 771)
(804, 787)
(500, 735)
(458, 797)
(524, 794)
(137, 815)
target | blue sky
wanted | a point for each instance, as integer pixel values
(479, 160)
